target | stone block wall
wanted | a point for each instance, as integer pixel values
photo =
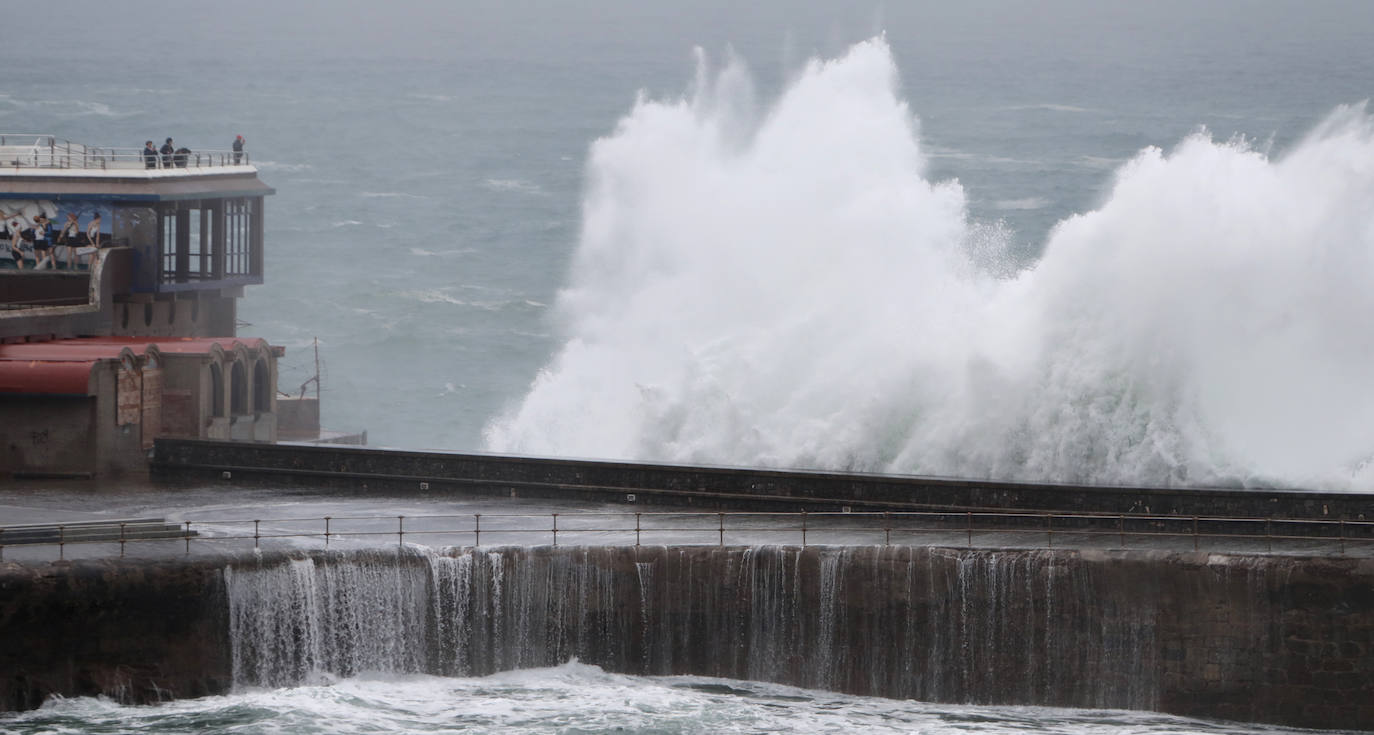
(134, 631)
(1277, 639)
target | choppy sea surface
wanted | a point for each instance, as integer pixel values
(576, 698)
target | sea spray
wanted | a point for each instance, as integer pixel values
(786, 287)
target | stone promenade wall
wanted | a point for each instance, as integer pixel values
(135, 631)
(1286, 640)
(444, 474)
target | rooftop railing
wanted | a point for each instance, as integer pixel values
(959, 529)
(28, 151)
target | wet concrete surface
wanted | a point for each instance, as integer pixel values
(229, 519)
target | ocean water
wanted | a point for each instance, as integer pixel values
(577, 698)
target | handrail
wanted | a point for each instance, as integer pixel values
(42, 151)
(966, 529)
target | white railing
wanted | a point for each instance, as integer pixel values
(32, 150)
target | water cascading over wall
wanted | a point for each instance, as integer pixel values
(1242, 637)
(1186, 633)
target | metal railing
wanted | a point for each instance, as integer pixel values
(28, 150)
(963, 529)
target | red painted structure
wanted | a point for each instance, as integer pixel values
(94, 405)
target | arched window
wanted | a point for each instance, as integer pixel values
(238, 389)
(262, 388)
(216, 389)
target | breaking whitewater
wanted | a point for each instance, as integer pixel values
(783, 285)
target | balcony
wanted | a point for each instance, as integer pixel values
(41, 154)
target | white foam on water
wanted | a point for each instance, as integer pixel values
(1023, 203)
(1051, 107)
(513, 185)
(281, 166)
(391, 195)
(576, 697)
(783, 286)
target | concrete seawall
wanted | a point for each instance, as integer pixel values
(358, 469)
(1286, 640)
(133, 631)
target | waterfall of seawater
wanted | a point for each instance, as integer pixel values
(943, 625)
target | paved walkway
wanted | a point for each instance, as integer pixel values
(238, 519)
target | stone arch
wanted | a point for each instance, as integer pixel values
(262, 386)
(216, 389)
(238, 388)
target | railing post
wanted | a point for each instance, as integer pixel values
(400, 530)
(121, 540)
(1121, 530)
(887, 530)
(1341, 531)
(720, 519)
(1194, 533)
(637, 529)
(1049, 530)
(555, 529)
(968, 526)
(477, 529)
(803, 529)
(326, 532)
(61, 542)
(188, 538)
(1268, 533)
(256, 535)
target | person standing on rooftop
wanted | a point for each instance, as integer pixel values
(238, 149)
(167, 150)
(149, 155)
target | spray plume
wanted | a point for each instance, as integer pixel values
(785, 287)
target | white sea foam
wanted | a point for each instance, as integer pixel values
(1051, 107)
(94, 108)
(68, 108)
(981, 158)
(434, 296)
(577, 697)
(1100, 162)
(515, 185)
(391, 195)
(787, 288)
(427, 253)
(281, 166)
(1024, 203)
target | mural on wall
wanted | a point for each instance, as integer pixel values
(85, 210)
(19, 217)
